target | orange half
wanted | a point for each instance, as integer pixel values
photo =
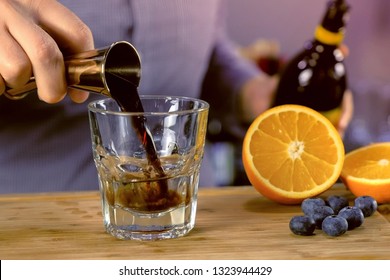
(366, 171)
(292, 152)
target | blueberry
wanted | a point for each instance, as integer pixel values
(309, 204)
(337, 202)
(320, 213)
(353, 215)
(367, 204)
(334, 225)
(302, 225)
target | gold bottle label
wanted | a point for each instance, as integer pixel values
(327, 37)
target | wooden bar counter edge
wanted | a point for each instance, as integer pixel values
(232, 223)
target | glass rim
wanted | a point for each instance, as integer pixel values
(204, 106)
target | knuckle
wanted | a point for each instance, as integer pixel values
(84, 35)
(46, 52)
(15, 68)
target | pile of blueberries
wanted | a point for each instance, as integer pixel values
(333, 215)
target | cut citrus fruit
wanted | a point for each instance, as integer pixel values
(366, 171)
(292, 152)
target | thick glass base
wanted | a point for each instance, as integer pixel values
(129, 225)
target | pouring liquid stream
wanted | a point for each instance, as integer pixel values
(126, 95)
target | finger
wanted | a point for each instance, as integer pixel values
(256, 96)
(43, 52)
(15, 66)
(48, 65)
(346, 112)
(71, 34)
(77, 95)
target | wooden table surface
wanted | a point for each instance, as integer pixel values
(232, 223)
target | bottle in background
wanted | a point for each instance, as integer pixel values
(316, 77)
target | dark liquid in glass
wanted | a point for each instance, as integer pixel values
(127, 97)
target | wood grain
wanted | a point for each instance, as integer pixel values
(232, 223)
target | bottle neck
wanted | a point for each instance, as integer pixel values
(331, 30)
(327, 37)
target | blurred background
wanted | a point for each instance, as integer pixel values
(291, 23)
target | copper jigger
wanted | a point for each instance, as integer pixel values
(87, 70)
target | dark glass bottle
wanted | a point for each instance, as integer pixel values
(316, 77)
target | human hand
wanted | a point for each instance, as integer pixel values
(259, 49)
(346, 112)
(347, 104)
(34, 36)
(257, 93)
(256, 96)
